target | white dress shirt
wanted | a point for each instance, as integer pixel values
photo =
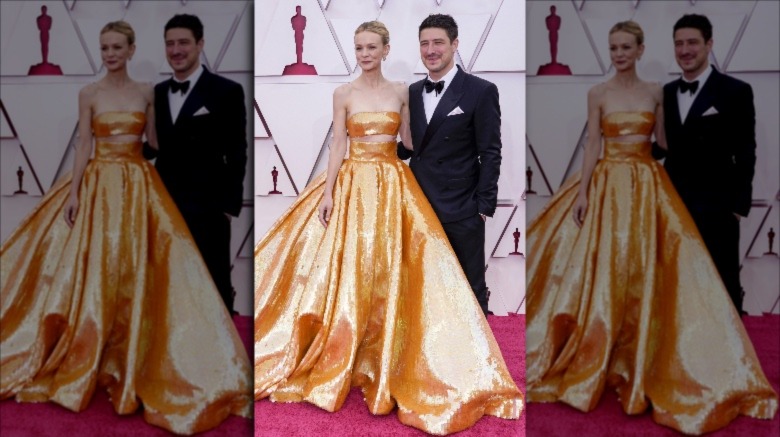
(685, 99)
(431, 100)
(176, 100)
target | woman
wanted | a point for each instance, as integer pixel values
(358, 286)
(621, 290)
(116, 294)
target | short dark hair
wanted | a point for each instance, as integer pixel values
(441, 21)
(186, 21)
(695, 21)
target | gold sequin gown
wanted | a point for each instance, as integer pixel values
(122, 300)
(633, 301)
(376, 300)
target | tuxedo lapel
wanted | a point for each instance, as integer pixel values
(163, 114)
(194, 99)
(674, 107)
(417, 119)
(705, 97)
(447, 103)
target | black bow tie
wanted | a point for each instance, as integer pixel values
(689, 86)
(430, 86)
(180, 86)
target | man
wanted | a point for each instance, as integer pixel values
(201, 130)
(710, 130)
(455, 121)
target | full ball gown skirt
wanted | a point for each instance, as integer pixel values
(377, 300)
(122, 300)
(633, 301)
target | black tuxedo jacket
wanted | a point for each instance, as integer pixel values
(711, 158)
(202, 158)
(457, 158)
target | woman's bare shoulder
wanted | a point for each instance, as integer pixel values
(597, 91)
(89, 90)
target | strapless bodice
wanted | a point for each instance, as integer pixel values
(618, 124)
(113, 123)
(362, 124)
(621, 124)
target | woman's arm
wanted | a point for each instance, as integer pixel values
(405, 132)
(592, 151)
(338, 148)
(83, 152)
(660, 131)
(151, 129)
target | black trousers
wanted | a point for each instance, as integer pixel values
(467, 238)
(720, 232)
(211, 231)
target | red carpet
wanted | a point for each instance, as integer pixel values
(354, 419)
(608, 419)
(99, 419)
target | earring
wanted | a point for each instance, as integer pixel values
(384, 58)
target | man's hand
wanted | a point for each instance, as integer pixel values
(484, 217)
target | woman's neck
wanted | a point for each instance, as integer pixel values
(626, 79)
(372, 79)
(118, 78)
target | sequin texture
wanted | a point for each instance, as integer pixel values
(632, 300)
(377, 300)
(122, 300)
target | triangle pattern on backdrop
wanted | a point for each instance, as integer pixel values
(6, 128)
(238, 55)
(13, 160)
(269, 160)
(240, 233)
(259, 123)
(471, 30)
(540, 185)
(45, 143)
(766, 218)
(756, 50)
(300, 136)
(494, 56)
(555, 143)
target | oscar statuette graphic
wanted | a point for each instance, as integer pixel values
(529, 174)
(44, 68)
(20, 176)
(771, 236)
(516, 235)
(275, 176)
(301, 68)
(553, 23)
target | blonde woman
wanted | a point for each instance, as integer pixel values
(102, 284)
(621, 290)
(357, 284)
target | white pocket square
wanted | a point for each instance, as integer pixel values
(711, 111)
(201, 111)
(455, 111)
